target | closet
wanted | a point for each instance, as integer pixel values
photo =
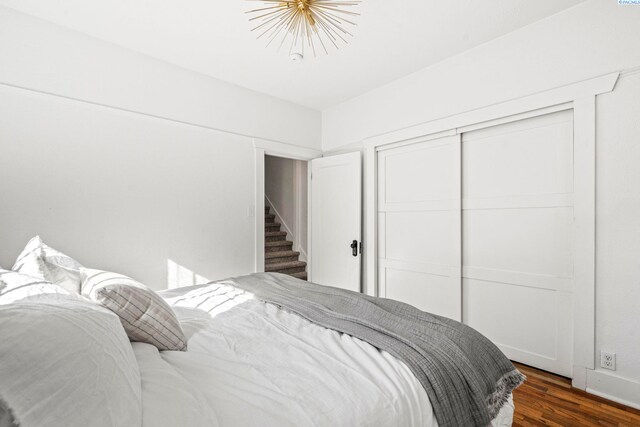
(478, 226)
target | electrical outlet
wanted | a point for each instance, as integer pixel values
(608, 360)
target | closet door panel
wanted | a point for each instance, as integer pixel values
(503, 312)
(408, 232)
(518, 238)
(526, 240)
(432, 165)
(419, 225)
(428, 292)
(529, 157)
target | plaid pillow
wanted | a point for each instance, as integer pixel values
(146, 317)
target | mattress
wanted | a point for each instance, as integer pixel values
(252, 364)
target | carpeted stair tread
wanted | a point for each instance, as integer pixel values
(278, 246)
(272, 236)
(281, 254)
(272, 225)
(277, 257)
(269, 218)
(300, 275)
(278, 267)
(288, 264)
(275, 233)
(291, 270)
(278, 243)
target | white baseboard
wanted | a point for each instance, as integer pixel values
(612, 387)
(579, 378)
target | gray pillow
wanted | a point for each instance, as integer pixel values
(146, 317)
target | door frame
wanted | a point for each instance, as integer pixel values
(581, 98)
(262, 148)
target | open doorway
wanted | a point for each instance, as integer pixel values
(285, 216)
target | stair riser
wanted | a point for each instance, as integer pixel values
(281, 259)
(288, 270)
(268, 219)
(274, 239)
(279, 248)
(271, 227)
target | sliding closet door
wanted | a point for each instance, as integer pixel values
(518, 238)
(419, 218)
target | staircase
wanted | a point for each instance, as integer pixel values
(278, 254)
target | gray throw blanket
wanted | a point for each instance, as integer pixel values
(466, 377)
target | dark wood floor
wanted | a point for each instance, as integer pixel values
(549, 400)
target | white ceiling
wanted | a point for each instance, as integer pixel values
(393, 39)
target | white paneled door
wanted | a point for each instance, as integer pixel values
(336, 203)
(518, 225)
(419, 216)
(479, 227)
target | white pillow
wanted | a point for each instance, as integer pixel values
(16, 286)
(44, 262)
(67, 362)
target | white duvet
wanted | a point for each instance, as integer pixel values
(253, 364)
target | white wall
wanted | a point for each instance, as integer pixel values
(128, 163)
(588, 40)
(39, 55)
(279, 180)
(618, 238)
(283, 180)
(123, 192)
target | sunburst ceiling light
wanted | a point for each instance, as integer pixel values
(313, 21)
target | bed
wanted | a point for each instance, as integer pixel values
(275, 368)
(248, 362)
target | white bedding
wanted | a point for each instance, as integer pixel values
(251, 364)
(65, 362)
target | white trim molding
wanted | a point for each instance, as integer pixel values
(584, 257)
(281, 149)
(309, 264)
(138, 113)
(299, 204)
(540, 100)
(612, 387)
(259, 210)
(370, 247)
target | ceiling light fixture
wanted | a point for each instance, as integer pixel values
(310, 21)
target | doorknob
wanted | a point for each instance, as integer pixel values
(354, 248)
